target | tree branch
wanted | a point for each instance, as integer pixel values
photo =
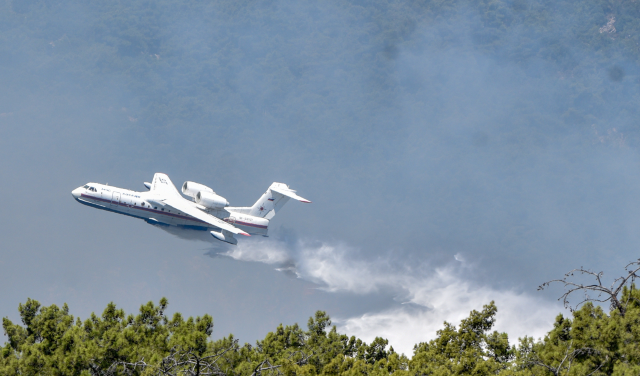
(611, 293)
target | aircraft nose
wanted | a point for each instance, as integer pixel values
(76, 193)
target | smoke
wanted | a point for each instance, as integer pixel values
(259, 251)
(425, 296)
(518, 315)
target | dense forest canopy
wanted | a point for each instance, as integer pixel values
(247, 62)
(51, 341)
(190, 77)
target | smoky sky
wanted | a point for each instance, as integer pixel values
(417, 136)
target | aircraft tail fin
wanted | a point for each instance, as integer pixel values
(273, 200)
(162, 184)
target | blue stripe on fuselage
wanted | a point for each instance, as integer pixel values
(155, 211)
(83, 202)
(141, 208)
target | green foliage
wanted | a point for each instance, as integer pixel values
(467, 350)
(52, 342)
(321, 350)
(594, 342)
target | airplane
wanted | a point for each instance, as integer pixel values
(163, 205)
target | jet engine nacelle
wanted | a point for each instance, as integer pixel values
(191, 189)
(211, 200)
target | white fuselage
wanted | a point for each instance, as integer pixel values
(148, 206)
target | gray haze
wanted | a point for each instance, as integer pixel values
(413, 154)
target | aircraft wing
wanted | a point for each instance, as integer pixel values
(181, 204)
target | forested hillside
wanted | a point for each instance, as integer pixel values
(196, 66)
(51, 341)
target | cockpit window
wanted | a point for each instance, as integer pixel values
(86, 186)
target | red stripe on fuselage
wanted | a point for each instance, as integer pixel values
(244, 223)
(166, 213)
(145, 209)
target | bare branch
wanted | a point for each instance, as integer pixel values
(266, 365)
(568, 359)
(602, 293)
(178, 362)
(304, 358)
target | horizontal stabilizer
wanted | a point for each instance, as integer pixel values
(289, 193)
(273, 200)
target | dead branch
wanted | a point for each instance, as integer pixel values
(266, 365)
(126, 368)
(178, 362)
(602, 293)
(304, 358)
(567, 361)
